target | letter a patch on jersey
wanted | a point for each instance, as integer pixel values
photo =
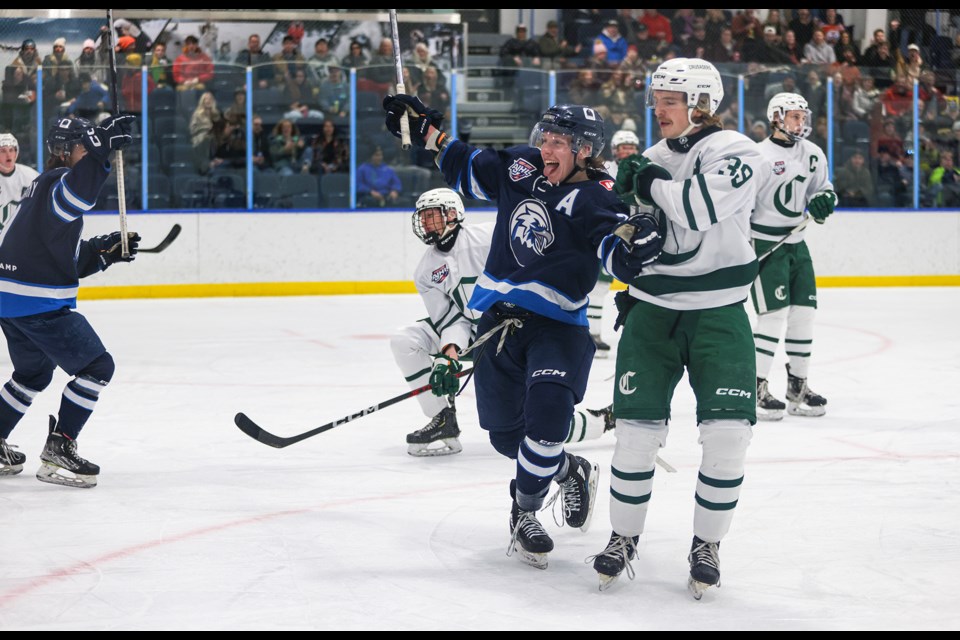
(439, 275)
(521, 169)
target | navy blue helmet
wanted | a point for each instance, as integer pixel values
(582, 123)
(65, 134)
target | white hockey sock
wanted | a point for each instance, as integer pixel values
(799, 339)
(595, 306)
(766, 337)
(411, 348)
(631, 473)
(585, 426)
(725, 445)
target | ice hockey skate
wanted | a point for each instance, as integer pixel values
(603, 349)
(438, 438)
(612, 561)
(704, 561)
(11, 462)
(527, 536)
(609, 421)
(801, 400)
(768, 407)
(61, 464)
(577, 493)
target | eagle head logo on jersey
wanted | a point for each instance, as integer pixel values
(530, 231)
(521, 169)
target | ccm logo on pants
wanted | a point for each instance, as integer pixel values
(548, 372)
(739, 393)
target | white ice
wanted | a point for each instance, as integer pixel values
(850, 521)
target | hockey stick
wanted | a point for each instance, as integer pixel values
(121, 187)
(797, 229)
(166, 242)
(256, 432)
(401, 88)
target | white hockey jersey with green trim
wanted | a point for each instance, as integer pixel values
(704, 213)
(796, 174)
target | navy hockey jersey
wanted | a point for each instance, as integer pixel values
(42, 256)
(544, 254)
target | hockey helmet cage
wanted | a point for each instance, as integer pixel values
(777, 110)
(443, 199)
(580, 122)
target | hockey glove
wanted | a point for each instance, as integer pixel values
(111, 135)
(108, 250)
(421, 119)
(641, 241)
(443, 378)
(635, 175)
(822, 205)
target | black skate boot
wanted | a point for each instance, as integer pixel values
(611, 562)
(609, 421)
(11, 462)
(59, 456)
(527, 535)
(603, 349)
(704, 561)
(768, 407)
(801, 401)
(442, 432)
(577, 492)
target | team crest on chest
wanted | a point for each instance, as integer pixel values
(440, 274)
(779, 168)
(531, 231)
(521, 169)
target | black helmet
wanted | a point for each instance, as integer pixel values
(579, 121)
(65, 133)
(28, 43)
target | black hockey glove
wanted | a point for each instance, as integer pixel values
(443, 378)
(822, 205)
(111, 135)
(641, 241)
(108, 250)
(635, 175)
(421, 118)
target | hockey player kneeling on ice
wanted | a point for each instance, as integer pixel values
(428, 351)
(43, 259)
(556, 215)
(785, 291)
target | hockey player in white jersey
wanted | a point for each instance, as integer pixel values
(785, 291)
(15, 178)
(624, 144)
(686, 312)
(445, 278)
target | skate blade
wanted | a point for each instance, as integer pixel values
(448, 447)
(11, 470)
(697, 588)
(53, 474)
(606, 581)
(535, 560)
(592, 492)
(601, 355)
(769, 416)
(806, 412)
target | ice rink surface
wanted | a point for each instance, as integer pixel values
(846, 522)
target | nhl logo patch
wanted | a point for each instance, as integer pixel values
(521, 169)
(779, 167)
(607, 184)
(439, 275)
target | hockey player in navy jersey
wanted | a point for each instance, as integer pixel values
(557, 213)
(42, 259)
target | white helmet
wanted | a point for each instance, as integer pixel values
(443, 199)
(9, 140)
(777, 110)
(699, 79)
(624, 137)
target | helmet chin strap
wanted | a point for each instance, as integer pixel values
(690, 127)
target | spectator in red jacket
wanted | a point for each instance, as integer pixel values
(192, 69)
(657, 25)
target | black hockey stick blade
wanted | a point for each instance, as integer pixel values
(259, 434)
(166, 242)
